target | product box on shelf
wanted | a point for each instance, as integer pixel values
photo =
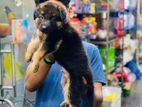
(108, 60)
(111, 96)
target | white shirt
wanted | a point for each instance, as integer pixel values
(129, 49)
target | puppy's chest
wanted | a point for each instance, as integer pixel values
(70, 57)
(64, 55)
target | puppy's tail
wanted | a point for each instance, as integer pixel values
(89, 101)
(88, 94)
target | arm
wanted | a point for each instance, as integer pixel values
(34, 79)
(98, 94)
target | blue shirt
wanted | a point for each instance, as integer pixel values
(50, 94)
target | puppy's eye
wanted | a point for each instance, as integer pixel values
(59, 24)
(51, 17)
(41, 17)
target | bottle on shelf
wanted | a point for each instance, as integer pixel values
(10, 14)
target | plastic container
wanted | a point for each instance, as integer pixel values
(112, 96)
(4, 29)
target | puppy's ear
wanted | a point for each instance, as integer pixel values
(65, 2)
(34, 15)
(37, 2)
(62, 14)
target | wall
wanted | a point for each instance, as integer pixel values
(13, 7)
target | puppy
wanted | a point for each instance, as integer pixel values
(34, 43)
(57, 36)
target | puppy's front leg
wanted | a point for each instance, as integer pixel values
(32, 47)
(38, 55)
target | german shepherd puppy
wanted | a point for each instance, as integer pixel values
(59, 37)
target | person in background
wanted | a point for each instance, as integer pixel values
(47, 80)
(129, 50)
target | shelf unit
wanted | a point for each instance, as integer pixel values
(103, 14)
(5, 41)
(107, 44)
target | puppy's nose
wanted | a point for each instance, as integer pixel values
(46, 24)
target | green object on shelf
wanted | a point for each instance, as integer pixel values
(8, 64)
(126, 93)
(110, 57)
(8, 67)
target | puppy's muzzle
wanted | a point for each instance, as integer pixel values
(42, 24)
(45, 24)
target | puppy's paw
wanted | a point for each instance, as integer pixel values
(31, 49)
(28, 56)
(64, 104)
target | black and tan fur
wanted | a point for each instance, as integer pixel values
(63, 41)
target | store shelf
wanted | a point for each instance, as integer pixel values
(5, 51)
(6, 40)
(6, 46)
(103, 42)
(7, 87)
